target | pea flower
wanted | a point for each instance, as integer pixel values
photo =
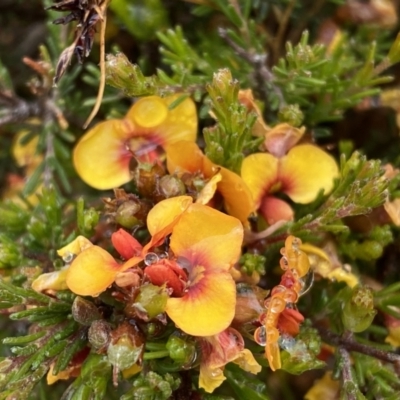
(300, 174)
(205, 244)
(219, 350)
(185, 157)
(103, 154)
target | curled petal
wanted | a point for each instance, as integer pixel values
(92, 272)
(75, 247)
(51, 281)
(208, 191)
(163, 217)
(281, 138)
(208, 306)
(305, 170)
(102, 157)
(126, 244)
(259, 172)
(274, 210)
(273, 355)
(247, 362)
(210, 378)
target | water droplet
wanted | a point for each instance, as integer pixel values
(163, 255)
(286, 342)
(260, 336)
(272, 335)
(151, 258)
(277, 305)
(68, 257)
(307, 282)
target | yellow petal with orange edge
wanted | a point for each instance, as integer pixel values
(210, 378)
(163, 216)
(51, 281)
(79, 244)
(208, 191)
(101, 157)
(325, 388)
(92, 272)
(259, 172)
(238, 199)
(305, 170)
(273, 355)
(247, 362)
(207, 237)
(208, 306)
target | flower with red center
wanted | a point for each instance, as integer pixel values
(300, 174)
(103, 154)
(186, 158)
(205, 243)
(217, 351)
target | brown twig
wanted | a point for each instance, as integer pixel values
(348, 342)
(262, 73)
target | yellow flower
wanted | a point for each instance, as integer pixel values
(103, 154)
(325, 388)
(300, 174)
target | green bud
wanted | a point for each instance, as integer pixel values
(358, 309)
(171, 186)
(182, 350)
(151, 300)
(291, 114)
(126, 212)
(10, 254)
(127, 77)
(252, 262)
(99, 334)
(90, 219)
(84, 312)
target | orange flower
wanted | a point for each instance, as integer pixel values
(300, 174)
(219, 350)
(186, 158)
(102, 156)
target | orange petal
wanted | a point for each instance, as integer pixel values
(207, 237)
(208, 306)
(92, 272)
(208, 191)
(305, 170)
(274, 210)
(184, 157)
(259, 172)
(238, 199)
(101, 157)
(163, 216)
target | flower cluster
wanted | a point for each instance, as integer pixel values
(176, 263)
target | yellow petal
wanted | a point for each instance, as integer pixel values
(185, 156)
(26, 155)
(101, 157)
(259, 172)
(79, 244)
(238, 199)
(208, 306)
(305, 170)
(148, 112)
(247, 362)
(163, 216)
(394, 336)
(325, 388)
(92, 272)
(207, 237)
(210, 378)
(208, 191)
(51, 281)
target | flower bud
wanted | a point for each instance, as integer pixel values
(358, 309)
(291, 114)
(126, 214)
(151, 301)
(99, 334)
(84, 312)
(182, 350)
(249, 303)
(171, 186)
